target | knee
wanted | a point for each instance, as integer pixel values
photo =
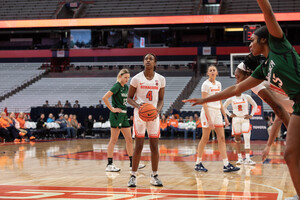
(138, 147)
(205, 138)
(221, 138)
(113, 141)
(290, 156)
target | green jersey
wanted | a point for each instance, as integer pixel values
(119, 97)
(282, 67)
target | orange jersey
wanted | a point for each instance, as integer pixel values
(163, 125)
(21, 122)
(4, 123)
(198, 123)
(173, 122)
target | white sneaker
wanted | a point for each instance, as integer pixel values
(293, 198)
(240, 162)
(249, 162)
(112, 168)
(132, 181)
(141, 166)
(155, 181)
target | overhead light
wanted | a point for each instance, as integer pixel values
(234, 29)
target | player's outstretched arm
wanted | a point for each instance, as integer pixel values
(271, 22)
(233, 90)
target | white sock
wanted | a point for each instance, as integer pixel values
(133, 173)
(199, 160)
(154, 173)
(240, 157)
(225, 161)
(247, 156)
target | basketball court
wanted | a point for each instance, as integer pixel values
(75, 169)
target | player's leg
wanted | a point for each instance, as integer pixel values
(292, 152)
(247, 134)
(154, 133)
(237, 131)
(114, 135)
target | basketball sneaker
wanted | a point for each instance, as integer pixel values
(200, 168)
(296, 197)
(132, 181)
(112, 168)
(249, 162)
(155, 181)
(240, 162)
(141, 166)
(230, 168)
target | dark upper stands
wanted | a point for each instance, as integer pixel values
(251, 6)
(23, 9)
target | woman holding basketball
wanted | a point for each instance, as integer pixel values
(211, 118)
(281, 68)
(146, 87)
(118, 118)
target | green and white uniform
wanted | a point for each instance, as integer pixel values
(119, 100)
(282, 68)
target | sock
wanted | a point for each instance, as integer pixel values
(154, 173)
(240, 157)
(247, 156)
(130, 158)
(110, 161)
(133, 173)
(225, 161)
(199, 160)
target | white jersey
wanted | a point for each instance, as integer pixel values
(240, 105)
(212, 89)
(147, 91)
(278, 93)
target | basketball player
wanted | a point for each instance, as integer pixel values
(118, 118)
(211, 118)
(241, 123)
(146, 87)
(271, 94)
(281, 68)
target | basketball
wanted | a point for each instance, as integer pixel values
(147, 112)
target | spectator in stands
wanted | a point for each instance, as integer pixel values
(101, 119)
(15, 127)
(100, 105)
(70, 118)
(67, 104)
(21, 121)
(46, 105)
(66, 125)
(198, 125)
(76, 105)
(58, 105)
(89, 124)
(27, 118)
(190, 127)
(163, 126)
(76, 126)
(173, 126)
(41, 126)
(50, 118)
(4, 132)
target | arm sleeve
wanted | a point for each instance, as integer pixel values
(279, 45)
(134, 82)
(253, 103)
(225, 105)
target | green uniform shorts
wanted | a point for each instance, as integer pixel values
(118, 120)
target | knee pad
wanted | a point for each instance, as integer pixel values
(247, 140)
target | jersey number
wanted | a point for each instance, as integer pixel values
(240, 108)
(149, 95)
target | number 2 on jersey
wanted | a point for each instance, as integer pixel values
(240, 108)
(149, 95)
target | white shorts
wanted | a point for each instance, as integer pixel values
(215, 116)
(240, 125)
(140, 127)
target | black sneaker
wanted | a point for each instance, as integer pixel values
(132, 181)
(230, 168)
(200, 168)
